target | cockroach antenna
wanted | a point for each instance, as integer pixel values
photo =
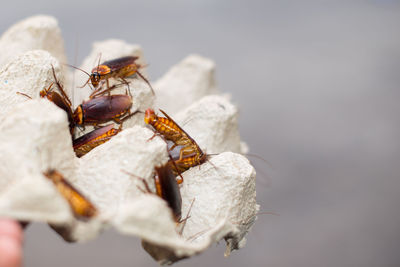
(247, 154)
(75, 63)
(87, 73)
(98, 62)
(69, 65)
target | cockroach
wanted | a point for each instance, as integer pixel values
(80, 205)
(167, 188)
(87, 142)
(119, 68)
(94, 111)
(100, 109)
(97, 109)
(180, 165)
(189, 153)
(171, 131)
(60, 100)
(103, 109)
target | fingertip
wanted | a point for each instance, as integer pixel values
(10, 252)
(11, 228)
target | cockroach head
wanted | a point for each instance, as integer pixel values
(149, 116)
(95, 78)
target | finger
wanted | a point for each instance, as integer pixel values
(11, 228)
(10, 243)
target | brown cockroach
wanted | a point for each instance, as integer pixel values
(87, 142)
(80, 205)
(61, 100)
(171, 131)
(119, 68)
(186, 153)
(180, 165)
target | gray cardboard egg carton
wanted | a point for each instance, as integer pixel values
(34, 137)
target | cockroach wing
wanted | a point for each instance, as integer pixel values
(84, 139)
(170, 190)
(105, 108)
(119, 63)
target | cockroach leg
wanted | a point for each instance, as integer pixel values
(187, 217)
(147, 81)
(180, 179)
(127, 116)
(146, 185)
(152, 137)
(172, 148)
(127, 84)
(60, 88)
(99, 91)
(117, 120)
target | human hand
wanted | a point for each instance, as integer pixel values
(10, 243)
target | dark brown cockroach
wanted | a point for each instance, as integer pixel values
(87, 142)
(119, 68)
(103, 109)
(80, 205)
(166, 188)
(99, 109)
(171, 131)
(96, 110)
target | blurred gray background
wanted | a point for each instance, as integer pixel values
(317, 84)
